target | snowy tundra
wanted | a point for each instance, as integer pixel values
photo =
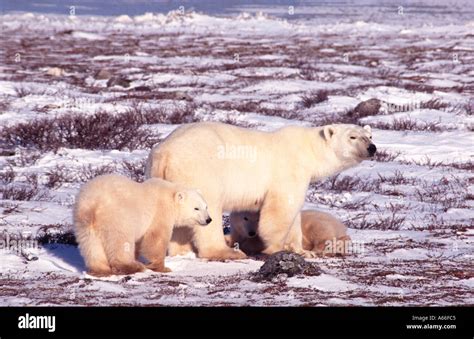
(83, 96)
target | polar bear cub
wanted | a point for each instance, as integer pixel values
(117, 219)
(321, 232)
(244, 232)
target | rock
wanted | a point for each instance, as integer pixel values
(285, 263)
(6, 152)
(182, 96)
(142, 88)
(55, 71)
(50, 106)
(366, 108)
(103, 74)
(126, 279)
(66, 32)
(118, 81)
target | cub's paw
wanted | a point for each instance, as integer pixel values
(309, 254)
(128, 268)
(223, 254)
(158, 267)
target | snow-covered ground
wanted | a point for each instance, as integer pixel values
(410, 210)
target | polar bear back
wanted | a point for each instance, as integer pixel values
(110, 197)
(241, 164)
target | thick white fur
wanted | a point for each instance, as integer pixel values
(272, 178)
(116, 219)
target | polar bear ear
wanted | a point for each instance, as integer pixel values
(179, 197)
(368, 129)
(328, 132)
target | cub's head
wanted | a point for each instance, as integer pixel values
(350, 143)
(244, 224)
(192, 208)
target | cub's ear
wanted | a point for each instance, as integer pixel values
(328, 132)
(179, 196)
(199, 191)
(368, 129)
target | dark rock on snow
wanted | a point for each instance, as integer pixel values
(366, 108)
(288, 263)
(118, 81)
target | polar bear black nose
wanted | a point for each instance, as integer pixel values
(208, 220)
(372, 149)
(252, 234)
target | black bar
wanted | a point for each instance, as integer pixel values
(242, 322)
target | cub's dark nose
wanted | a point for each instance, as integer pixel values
(252, 234)
(208, 220)
(372, 149)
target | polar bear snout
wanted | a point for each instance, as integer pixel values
(205, 221)
(371, 149)
(252, 234)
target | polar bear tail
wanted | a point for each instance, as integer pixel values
(156, 164)
(90, 244)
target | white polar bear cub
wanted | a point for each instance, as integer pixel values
(239, 169)
(320, 231)
(116, 219)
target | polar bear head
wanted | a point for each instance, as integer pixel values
(244, 224)
(351, 143)
(244, 232)
(192, 208)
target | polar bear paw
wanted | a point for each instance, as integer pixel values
(127, 268)
(158, 267)
(223, 254)
(308, 254)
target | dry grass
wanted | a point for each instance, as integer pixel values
(384, 155)
(394, 221)
(101, 130)
(407, 124)
(23, 193)
(61, 174)
(56, 234)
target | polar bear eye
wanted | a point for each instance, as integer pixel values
(353, 138)
(196, 209)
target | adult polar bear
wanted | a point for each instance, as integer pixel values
(239, 169)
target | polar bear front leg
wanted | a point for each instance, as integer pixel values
(280, 221)
(209, 240)
(120, 248)
(153, 247)
(277, 215)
